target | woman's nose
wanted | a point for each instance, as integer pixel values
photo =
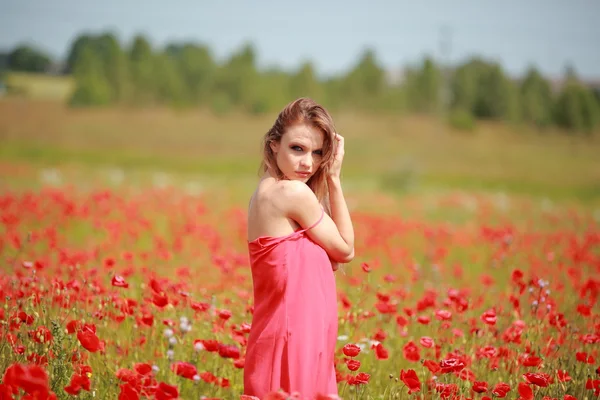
(306, 161)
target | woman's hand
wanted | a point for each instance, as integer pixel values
(338, 156)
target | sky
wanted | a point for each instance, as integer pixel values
(549, 34)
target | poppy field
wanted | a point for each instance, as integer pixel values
(145, 293)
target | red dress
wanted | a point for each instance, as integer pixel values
(294, 326)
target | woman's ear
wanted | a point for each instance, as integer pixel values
(274, 146)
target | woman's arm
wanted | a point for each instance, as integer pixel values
(299, 203)
(337, 202)
(340, 213)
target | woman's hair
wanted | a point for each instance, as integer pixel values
(303, 111)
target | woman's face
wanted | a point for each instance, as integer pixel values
(299, 153)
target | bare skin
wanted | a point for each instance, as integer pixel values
(279, 207)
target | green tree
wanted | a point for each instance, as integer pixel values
(272, 91)
(141, 62)
(423, 86)
(576, 109)
(464, 85)
(495, 94)
(91, 87)
(81, 42)
(170, 88)
(304, 83)
(363, 86)
(237, 80)
(115, 66)
(536, 99)
(28, 59)
(197, 68)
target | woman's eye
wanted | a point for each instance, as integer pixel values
(297, 148)
(319, 153)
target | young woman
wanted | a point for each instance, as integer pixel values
(299, 229)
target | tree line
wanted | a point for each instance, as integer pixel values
(187, 74)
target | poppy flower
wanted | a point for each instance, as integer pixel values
(128, 392)
(411, 380)
(166, 392)
(351, 350)
(381, 352)
(489, 317)
(426, 341)
(229, 351)
(353, 365)
(360, 379)
(501, 389)
(525, 391)
(480, 387)
(119, 281)
(411, 352)
(184, 369)
(538, 379)
(78, 383)
(90, 341)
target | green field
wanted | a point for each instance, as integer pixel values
(40, 87)
(394, 153)
(487, 224)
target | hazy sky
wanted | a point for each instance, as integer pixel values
(331, 33)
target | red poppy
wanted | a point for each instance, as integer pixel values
(529, 360)
(443, 315)
(351, 350)
(360, 379)
(563, 376)
(224, 314)
(451, 365)
(381, 352)
(432, 366)
(41, 335)
(184, 369)
(119, 281)
(78, 383)
(489, 317)
(411, 380)
(209, 345)
(352, 364)
(426, 341)
(198, 306)
(380, 335)
(166, 392)
(128, 393)
(411, 352)
(480, 387)
(160, 300)
(538, 379)
(33, 379)
(525, 391)
(229, 351)
(501, 389)
(90, 341)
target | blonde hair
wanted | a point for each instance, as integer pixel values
(303, 111)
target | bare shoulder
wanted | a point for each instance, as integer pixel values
(297, 201)
(294, 193)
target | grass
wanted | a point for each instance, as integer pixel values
(396, 153)
(40, 86)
